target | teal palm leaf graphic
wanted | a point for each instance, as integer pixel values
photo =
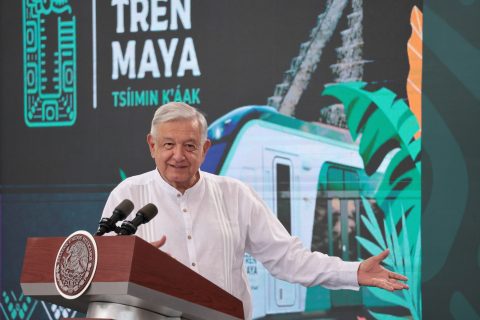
(400, 260)
(122, 174)
(386, 130)
(385, 125)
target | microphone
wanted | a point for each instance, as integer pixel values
(143, 216)
(120, 213)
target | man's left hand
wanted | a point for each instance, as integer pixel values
(371, 273)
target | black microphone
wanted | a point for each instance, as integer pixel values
(143, 216)
(120, 213)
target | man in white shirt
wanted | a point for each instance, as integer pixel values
(212, 221)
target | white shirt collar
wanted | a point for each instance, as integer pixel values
(195, 189)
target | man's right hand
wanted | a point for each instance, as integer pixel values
(157, 244)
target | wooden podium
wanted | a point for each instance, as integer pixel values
(133, 280)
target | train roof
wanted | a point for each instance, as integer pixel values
(230, 123)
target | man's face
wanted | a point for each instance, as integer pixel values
(178, 152)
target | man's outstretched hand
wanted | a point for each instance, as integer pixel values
(371, 273)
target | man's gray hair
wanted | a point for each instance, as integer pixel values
(174, 111)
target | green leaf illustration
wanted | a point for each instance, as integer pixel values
(387, 126)
(390, 122)
(122, 173)
(386, 130)
(401, 261)
(369, 246)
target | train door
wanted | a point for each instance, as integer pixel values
(343, 212)
(284, 296)
(337, 221)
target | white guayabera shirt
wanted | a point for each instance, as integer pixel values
(211, 226)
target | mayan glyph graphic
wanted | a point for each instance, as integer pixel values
(49, 63)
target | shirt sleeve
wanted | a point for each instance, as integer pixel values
(286, 258)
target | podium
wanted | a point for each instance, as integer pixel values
(133, 280)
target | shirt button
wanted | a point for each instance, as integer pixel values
(193, 264)
(178, 195)
(184, 209)
(189, 237)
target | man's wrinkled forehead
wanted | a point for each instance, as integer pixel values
(176, 129)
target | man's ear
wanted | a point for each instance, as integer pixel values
(151, 144)
(206, 146)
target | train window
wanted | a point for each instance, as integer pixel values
(353, 227)
(335, 215)
(334, 179)
(283, 184)
(340, 179)
(351, 181)
(320, 241)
